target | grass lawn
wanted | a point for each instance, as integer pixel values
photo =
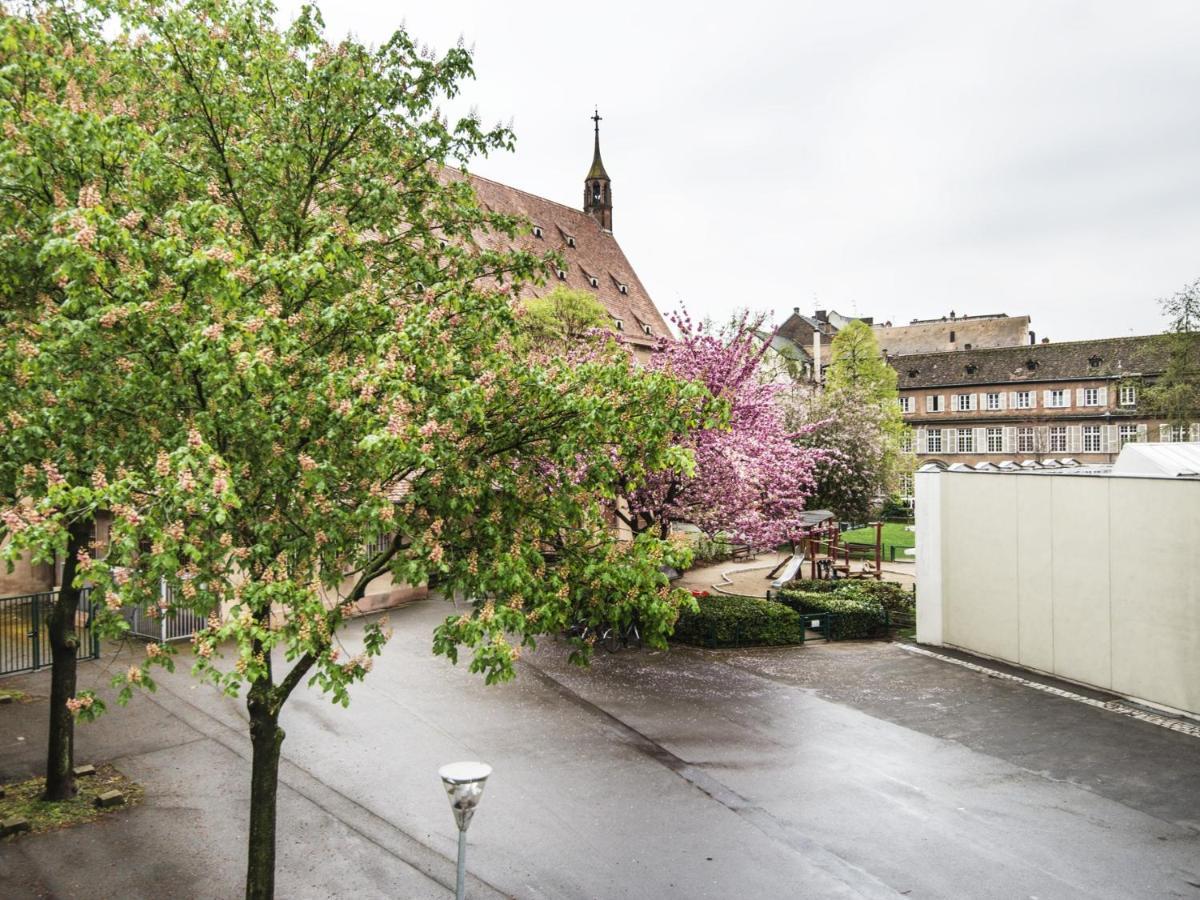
(894, 533)
(22, 799)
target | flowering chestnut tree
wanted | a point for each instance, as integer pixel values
(247, 314)
(751, 478)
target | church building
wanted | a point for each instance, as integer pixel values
(593, 261)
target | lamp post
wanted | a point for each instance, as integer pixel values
(464, 783)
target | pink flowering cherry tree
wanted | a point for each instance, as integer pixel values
(751, 478)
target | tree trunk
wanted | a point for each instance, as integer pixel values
(64, 644)
(266, 737)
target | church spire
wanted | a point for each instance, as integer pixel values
(597, 187)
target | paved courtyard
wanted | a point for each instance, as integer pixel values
(847, 770)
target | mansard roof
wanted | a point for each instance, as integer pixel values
(588, 251)
(1033, 363)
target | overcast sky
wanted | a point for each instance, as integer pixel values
(878, 158)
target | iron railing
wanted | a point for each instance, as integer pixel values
(25, 634)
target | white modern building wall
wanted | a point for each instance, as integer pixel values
(1090, 577)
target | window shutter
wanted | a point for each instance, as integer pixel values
(1010, 440)
(942, 401)
(1045, 398)
(1002, 399)
(1012, 399)
(1164, 432)
(1078, 396)
(919, 445)
(1075, 439)
(1195, 431)
(1142, 432)
(981, 440)
(1102, 395)
(1112, 438)
(929, 403)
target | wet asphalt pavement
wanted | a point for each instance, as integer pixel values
(847, 770)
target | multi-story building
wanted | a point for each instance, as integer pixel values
(1081, 400)
(805, 338)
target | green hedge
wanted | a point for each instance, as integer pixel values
(893, 597)
(852, 617)
(732, 621)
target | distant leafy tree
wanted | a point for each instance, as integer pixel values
(856, 417)
(1175, 395)
(563, 316)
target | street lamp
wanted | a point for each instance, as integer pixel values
(464, 783)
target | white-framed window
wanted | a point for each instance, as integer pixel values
(1126, 434)
(995, 440)
(964, 402)
(1024, 399)
(933, 440)
(906, 404)
(966, 440)
(993, 401)
(906, 485)
(1058, 438)
(1025, 442)
(1177, 433)
(906, 443)
(1091, 439)
(1127, 395)
(1056, 399)
(933, 403)
(1091, 396)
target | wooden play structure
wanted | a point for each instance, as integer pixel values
(829, 557)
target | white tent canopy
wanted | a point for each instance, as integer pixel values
(1164, 460)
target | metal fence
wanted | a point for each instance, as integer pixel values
(171, 625)
(25, 635)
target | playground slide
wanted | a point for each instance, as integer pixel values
(789, 571)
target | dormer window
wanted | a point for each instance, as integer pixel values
(1031, 364)
(419, 287)
(648, 330)
(1094, 362)
(913, 373)
(971, 369)
(562, 275)
(537, 231)
(619, 324)
(623, 288)
(570, 241)
(594, 281)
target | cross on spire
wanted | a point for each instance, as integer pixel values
(597, 118)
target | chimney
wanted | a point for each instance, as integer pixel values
(1032, 338)
(796, 310)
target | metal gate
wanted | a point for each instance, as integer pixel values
(25, 636)
(170, 624)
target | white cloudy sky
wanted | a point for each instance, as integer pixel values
(880, 158)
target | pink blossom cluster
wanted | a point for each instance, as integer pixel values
(752, 478)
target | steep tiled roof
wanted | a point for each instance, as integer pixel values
(596, 255)
(1111, 357)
